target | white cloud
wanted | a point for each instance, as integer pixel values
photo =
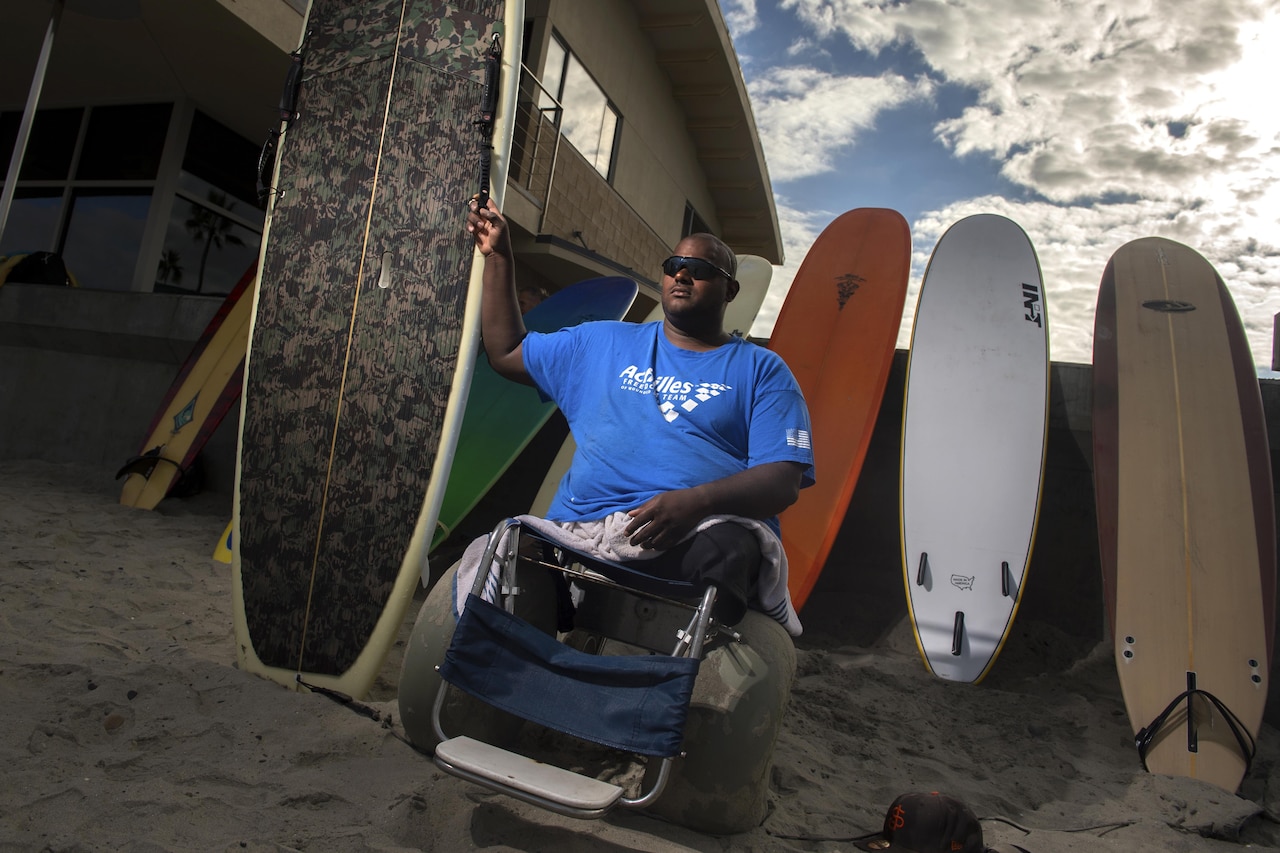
(807, 118)
(740, 17)
(1152, 117)
(1073, 244)
(799, 229)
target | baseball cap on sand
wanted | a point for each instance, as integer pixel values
(928, 823)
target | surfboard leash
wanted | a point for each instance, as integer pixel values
(359, 707)
(488, 110)
(288, 114)
(1147, 735)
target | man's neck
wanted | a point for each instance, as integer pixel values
(700, 340)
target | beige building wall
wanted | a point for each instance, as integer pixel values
(586, 211)
(657, 163)
(634, 219)
(657, 169)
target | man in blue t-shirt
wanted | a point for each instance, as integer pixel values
(675, 422)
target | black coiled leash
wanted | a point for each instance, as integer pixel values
(288, 112)
(488, 109)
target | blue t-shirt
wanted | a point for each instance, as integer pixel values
(649, 417)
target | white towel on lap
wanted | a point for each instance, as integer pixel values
(606, 538)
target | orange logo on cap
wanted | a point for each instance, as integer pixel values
(898, 821)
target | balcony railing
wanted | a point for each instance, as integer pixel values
(536, 140)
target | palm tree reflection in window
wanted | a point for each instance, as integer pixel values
(169, 273)
(212, 228)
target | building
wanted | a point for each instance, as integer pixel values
(140, 172)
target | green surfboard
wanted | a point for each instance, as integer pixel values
(503, 416)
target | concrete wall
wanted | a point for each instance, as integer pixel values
(82, 372)
(583, 208)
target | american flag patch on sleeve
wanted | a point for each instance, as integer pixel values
(799, 438)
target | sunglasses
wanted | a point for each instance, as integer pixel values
(697, 267)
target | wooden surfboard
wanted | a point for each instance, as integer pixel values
(837, 331)
(206, 387)
(502, 417)
(975, 419)
(753, 274)
(365, 330)
(1182, 475)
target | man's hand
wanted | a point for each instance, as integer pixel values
(501, 328)
(664, 520)
(489, 228)
(760, 492)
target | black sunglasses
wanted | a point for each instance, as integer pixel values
(697, 267)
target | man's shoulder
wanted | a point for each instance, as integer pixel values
(590, 330)
(757, 354)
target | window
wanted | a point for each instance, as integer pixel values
(87, 186)
(103, 236)
(215, 226)
(124, 143)
(33, 222)
(87, 179)
(693, 223)
(49, 147)
(207, 244)
(590, 122)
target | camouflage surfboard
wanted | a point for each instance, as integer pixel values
(358, 323)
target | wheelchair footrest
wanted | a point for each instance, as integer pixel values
(542, 784)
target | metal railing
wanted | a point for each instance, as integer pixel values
(536, 140)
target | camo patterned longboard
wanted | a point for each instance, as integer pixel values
(361, 323)
(502, 417)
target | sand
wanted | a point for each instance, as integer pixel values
(127, 725)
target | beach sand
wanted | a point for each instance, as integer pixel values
(127, 726)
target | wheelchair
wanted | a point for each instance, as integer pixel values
(556, 640)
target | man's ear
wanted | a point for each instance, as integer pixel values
(731, 292)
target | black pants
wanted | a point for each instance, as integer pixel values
(725, 554)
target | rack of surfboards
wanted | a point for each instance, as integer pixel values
(1181, 467)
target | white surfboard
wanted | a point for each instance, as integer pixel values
(973, 442)
(754, 274)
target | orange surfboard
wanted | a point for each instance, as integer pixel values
(837, 331)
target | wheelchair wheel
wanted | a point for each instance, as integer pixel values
(419, 681)
(721, 786)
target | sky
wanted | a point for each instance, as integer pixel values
(1090, 124)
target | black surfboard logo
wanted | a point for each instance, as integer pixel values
(1031, 302)
(1169, 306)
(847, 285)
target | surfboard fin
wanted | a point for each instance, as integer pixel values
(957, 634)
(1147, 735)
(145, 463)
